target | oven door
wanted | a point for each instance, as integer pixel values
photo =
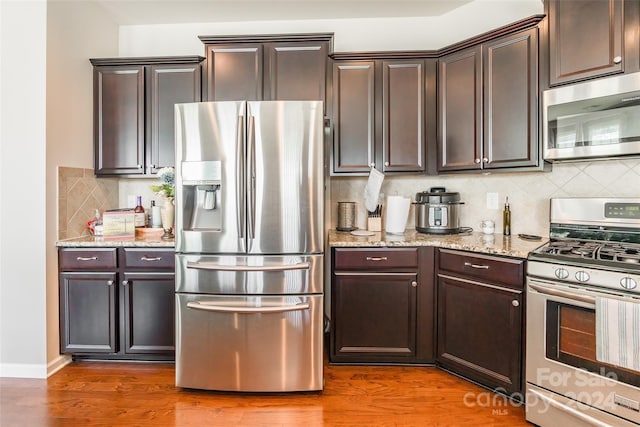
(562, 370)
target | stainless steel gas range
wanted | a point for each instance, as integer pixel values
(583, 316)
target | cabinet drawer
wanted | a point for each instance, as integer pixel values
(506, 271)
(375, 259)
(87, 259)
(149, 258)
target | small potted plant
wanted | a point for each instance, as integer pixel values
(166, 190)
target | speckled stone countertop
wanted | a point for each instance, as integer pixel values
(496, 244)
(91, 241)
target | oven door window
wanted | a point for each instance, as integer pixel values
(571, 339)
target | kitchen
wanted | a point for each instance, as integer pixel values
(528, 192)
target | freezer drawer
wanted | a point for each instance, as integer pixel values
(251, 274)
(249, 343)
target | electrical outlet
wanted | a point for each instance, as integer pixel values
(492, 201)
(132, 201)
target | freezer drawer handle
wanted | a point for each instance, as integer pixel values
(211, 306)
(213, 266)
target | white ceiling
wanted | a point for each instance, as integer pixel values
(148, 12)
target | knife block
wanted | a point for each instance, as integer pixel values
(374, 223)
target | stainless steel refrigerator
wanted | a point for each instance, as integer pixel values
(249, 244)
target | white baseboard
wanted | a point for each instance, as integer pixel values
(58, 363)
(23, 370)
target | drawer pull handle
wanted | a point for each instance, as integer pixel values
(146, 258)
(376, 258)
(478, 266)
(90, 258)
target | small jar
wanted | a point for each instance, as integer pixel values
(488, 226)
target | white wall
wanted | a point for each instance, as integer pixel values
(22, 188)
(45, 122)
(76, 31)
(350, 34)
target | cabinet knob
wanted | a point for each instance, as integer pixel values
(617, 60)
(109, 282)
(485, 160)
(152, 166)
(139, 166)
(372, 165)
(125, 282)
(476, 161)
(386, 163)
(515, 303)
(414, 284)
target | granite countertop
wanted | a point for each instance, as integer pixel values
(496, 244)
(91, 241)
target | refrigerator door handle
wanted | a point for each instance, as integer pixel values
(251, 193)
(240, 178)
(216, 307)
(214, 266)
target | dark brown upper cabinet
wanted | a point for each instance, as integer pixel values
(134, 100)
(592, 38)
(383, 111)
(488, 104)
(257, 68)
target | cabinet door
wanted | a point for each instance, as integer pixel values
(295, 71)
(234, 72)
(403, 116)
(118, 96)
(88, 314)
(510, 126)
(586, 39)
(374, 316)
(148, 301)
(166, 86)
(460, 110)
(353, 109)
(480, 332)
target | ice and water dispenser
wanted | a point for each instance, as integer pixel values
(201, 189)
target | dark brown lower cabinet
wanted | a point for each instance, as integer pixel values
(382, 305)
(88, 312)
(479, 323)
(117, 303)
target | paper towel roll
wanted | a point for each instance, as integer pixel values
(397, 214)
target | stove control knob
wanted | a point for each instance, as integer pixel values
(628, 283)
(561, 273)
(582, 276)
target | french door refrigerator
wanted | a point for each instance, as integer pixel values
(249, 246)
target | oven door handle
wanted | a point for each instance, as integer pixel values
(569, 410)
(217, 308)
(213, 266)
(557, 293)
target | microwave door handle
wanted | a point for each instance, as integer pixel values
(240, 178)
(557, 293)
(568, 410)
(217, 308)
(213, 266)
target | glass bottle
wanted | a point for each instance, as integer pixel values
(139, 219)
(506, 219)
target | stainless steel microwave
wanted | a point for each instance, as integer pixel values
(592, 120)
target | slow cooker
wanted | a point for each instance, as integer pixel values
(437, 211)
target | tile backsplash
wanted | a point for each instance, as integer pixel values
(528, 192)
(80, 193)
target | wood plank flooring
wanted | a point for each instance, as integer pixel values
(143, 394)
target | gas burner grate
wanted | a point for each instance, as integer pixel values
(620, 252)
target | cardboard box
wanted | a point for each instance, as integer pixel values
(119, 223)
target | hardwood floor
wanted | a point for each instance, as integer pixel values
(143, 394)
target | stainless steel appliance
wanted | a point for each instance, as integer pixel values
(437, 211)
(595, 119)
(249, 243)
(583, 316)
